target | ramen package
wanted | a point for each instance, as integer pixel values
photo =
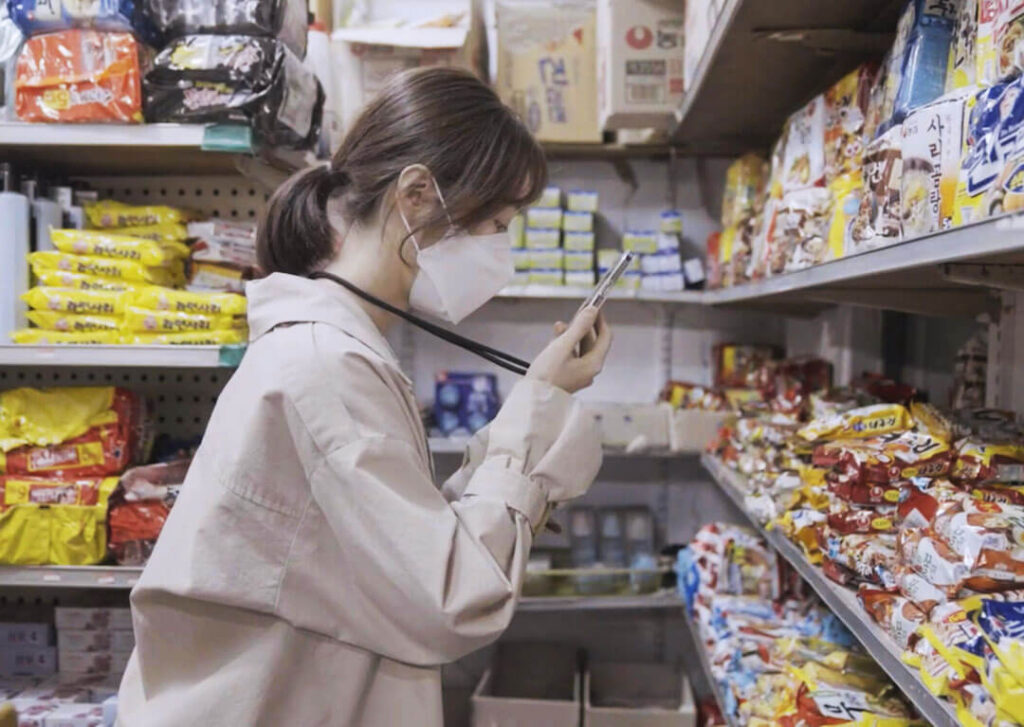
(986, 56)
(73, 322)
(978, 461)
(962, 70)
(867, 421)
(79, 76)
(845, 110)
(43, 337)
(1009, 39)
(16, 490)
(800, 236)
(224, 242)
(109, 214)
(236, 79)
(99, 302)
(282, 19)
(142, 320)
(78, 281)
(846, 191)
(878, 222)
(744, 188)
(165, 299)
(122, 247)
(924, 36)
(898, 616)
(931, 147)
(803, 158)
(219, 337)
(125, 270)
(46, 16)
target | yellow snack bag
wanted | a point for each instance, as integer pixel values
(119, 246)
(108, 214)
(71, 323)
(33, 534)
(222, 337)
(846, 194)
(68, 300)
(127, 270)
(151, 321)
(78, 281)
(184, 301)
(50, 416)
(867, 421)
(168, 232)
(43, 337)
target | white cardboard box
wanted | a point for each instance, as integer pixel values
(28, 661)
(547, 67)
(640, 63)
(93, 662)
(528, 684)
(29, 634)
(93, 618)
(632, 426)
(661, 685)
(95, 640)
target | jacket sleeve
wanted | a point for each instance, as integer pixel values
(436, 578)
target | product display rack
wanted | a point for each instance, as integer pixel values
(195, 357)
(843, 603)
(705, 665)
(457, 445)
(55, 576)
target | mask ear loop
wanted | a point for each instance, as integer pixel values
(498, 358)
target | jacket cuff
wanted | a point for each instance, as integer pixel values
(529, 422)
(516, 490)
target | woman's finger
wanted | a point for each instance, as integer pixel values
(560, 328)
(602, 343)
(581, 325)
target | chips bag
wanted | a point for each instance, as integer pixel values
(73, 323)
(125, 270)
(143, 320)
(69, 300)
(868, 421)
(181, 301)
(108, 214)
(120, 246)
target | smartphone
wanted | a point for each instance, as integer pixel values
(599, 294)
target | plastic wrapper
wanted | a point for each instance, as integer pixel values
(745, 182)
(926, 552)
(39, 336)
(283, 19)
(917, 588)
(962, 71)
(846, 192)
(64, 300)
(803, 158)
(849, 520)
(72, 322)
(111, 268)
(931, 149)
(978, 461)
(888, 459)
(799, 238)
(899, 616)
(45, 491)
(213, 277)
(864, 493)
(868, 421)
(77, 281)
(51, 416)
(164, 299)
(224, 242)
(923, 40)
(1009, 39)
(878, 220)
(139, 508)
(221, 337)
(870, 558)
(846, 107)
(231, 78)
(42, 16)
(144, 320)
(119, 246)
(79, 76)
(110, 214)
(53, 534)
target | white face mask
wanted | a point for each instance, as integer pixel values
(460, 272)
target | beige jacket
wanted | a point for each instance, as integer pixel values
(311, 572)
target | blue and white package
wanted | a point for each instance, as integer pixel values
(464, 403)
(46, 16)
(923, 38)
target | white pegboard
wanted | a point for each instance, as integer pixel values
(230, 197)
(181, 400)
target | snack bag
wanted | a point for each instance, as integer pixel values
(1009, 40)
(846, 108)
(867, 421)
(122, 247)
(845, 191)
(745, 182)
(79, 76)
(213, 277)
(799, 238)
(50, 416)
(284, 19)
(143, 320)
(987, 57)
(107, 214)
(979, 462)
(164, 299)
(878, 221)
(804, 156)
(73, 323)
(110, 268)
(931, 147)
(192, 338)
(79, 281)
(49, 491)
(164, 232)
(39, 336)
(67, 300)
(898, 616)
(963, 62)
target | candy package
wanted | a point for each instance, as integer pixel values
(878, 221)
(79, 76)
(283, 19)
(122, 247)
(39, 16)
(236, 79)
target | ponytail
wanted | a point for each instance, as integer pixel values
(295, 235)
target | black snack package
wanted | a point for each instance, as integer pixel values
(236, 79)
(285, 20)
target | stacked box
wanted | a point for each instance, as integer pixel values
(26, 650)
(94, 641)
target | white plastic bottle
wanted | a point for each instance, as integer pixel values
(14, 235)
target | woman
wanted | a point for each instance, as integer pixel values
(311, 572)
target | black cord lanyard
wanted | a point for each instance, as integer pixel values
(499, 358)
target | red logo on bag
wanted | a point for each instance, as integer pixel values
(639, 37)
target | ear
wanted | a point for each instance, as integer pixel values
(416, 195)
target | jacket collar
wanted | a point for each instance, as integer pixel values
(281, 298)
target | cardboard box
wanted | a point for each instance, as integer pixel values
(632, 426)
(29, 634)
(75, 715)
(28, 661)
(93, 662)
(528, 684)
(640, 63)
(691, 430)
(366, 57)
(95, 640)
(32, 712)
(93, 618)
(547, 67)
(660, 693)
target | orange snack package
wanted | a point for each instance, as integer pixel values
(79, 76)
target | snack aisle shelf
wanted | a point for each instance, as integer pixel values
(122, 356)
(705, 665)
(56, 576)
(457, 446)
(843, 603)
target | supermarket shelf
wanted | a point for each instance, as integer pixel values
(457, 446)
(69, 576)
(515, 292)
(905, 276)
(125, 356)
(705, 665)
(601, 603)
(764, 59)
(600, 152)
(845, 605)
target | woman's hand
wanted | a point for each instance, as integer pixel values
(577, 354)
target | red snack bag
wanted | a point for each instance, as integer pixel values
(862, 493)
(925, 552)
(897, 615)
(139, 509)
(849, 520)
(79, 76)
(979, 461)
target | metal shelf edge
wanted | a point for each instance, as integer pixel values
(97, 577)
(457, 446)
(124, 356)
(705, 665)
(845, 606)
(600, 603)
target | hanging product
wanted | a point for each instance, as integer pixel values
(46, 16)
(79, 76)
(237, 79)
(285, 20)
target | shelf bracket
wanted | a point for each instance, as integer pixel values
(996, 276)
(829, 41)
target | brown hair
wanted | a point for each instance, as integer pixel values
(481, 154)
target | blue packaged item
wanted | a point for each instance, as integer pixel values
(464, 403)
(46, 16)
(923, 38)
